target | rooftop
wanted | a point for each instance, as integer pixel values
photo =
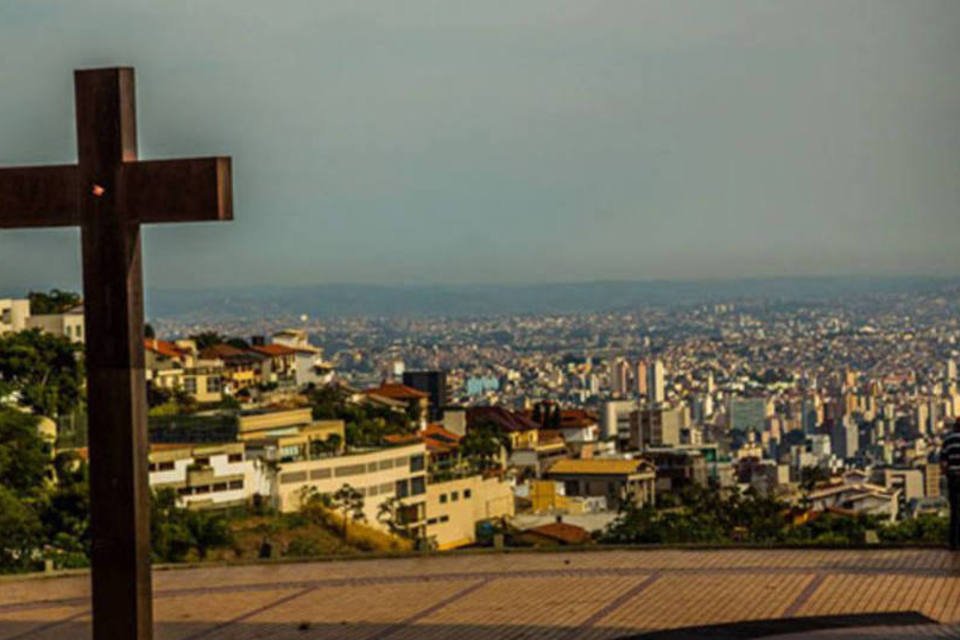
(597, 594)
(598, 466)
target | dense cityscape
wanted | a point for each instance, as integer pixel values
(824, 416)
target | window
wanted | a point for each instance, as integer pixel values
(467, 494)
(402, 488)
(214, 384)
(372, 491)
(165, 466)
(372, 467)
(350, 470)
(290, 478)
(190, 385)
(236, 484)
(320, 474)
(220, 486)
(386, 464)
(202, 462)
(418, 486)
(444, 518)
(201, 489)
(432, 521)
(454, 496)
(416, 463)
(235, 457)
(443, 498)
(386, 487)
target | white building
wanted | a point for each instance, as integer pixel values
(207, 476)
(68, 324)
(13, 314)
(309, 364)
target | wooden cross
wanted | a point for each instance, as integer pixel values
(109, 194)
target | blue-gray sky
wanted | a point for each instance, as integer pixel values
(514, 140)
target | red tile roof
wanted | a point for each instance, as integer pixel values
(562, 532)
(397, 391)
(274, 350)
(505, 419)
(163, 348)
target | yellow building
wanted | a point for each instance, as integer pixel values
(455, 507)
(294, 433)
(178, 365)
(617, 480)
(380, 475)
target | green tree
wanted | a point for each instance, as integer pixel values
(20, 533)
(24, 455)
(206, 339)
(56, 301)
(149, 332)
(44, 369)
(348, 501)
(391, 514)
(482, 444)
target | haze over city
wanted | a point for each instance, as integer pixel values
(508, 142)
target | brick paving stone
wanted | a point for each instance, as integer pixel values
(595, 595)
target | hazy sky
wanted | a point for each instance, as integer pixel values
(514, 141)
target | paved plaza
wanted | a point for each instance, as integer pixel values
(596, 594)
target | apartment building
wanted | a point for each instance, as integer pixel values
(380, 474)
(207, 476)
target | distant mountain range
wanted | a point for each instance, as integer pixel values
(483, 300)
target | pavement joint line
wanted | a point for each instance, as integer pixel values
(804, 596)
(481, 575)
(429, 611)
(617, 602)
(223, 625)
(50, 625)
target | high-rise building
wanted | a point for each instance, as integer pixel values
(656, 382)
(434, 384)
(845, 438)
(619, 374)
(641, 378)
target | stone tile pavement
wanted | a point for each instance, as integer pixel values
(595, 594)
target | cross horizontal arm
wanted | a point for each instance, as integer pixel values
(38, 196)
(191, 190)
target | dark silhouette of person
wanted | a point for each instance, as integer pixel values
(950, 463)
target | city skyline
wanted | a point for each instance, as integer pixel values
(539, 142)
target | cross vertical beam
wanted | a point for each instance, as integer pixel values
(116, 387)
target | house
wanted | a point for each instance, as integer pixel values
(456, 507)
(309, 364)
(578, 426)
(855, 496)
(278, 365)
(523, 432)
(619, 481)
(242, 368)
(68, 324)
(555, 533)
(178, 365)
(416, 401)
